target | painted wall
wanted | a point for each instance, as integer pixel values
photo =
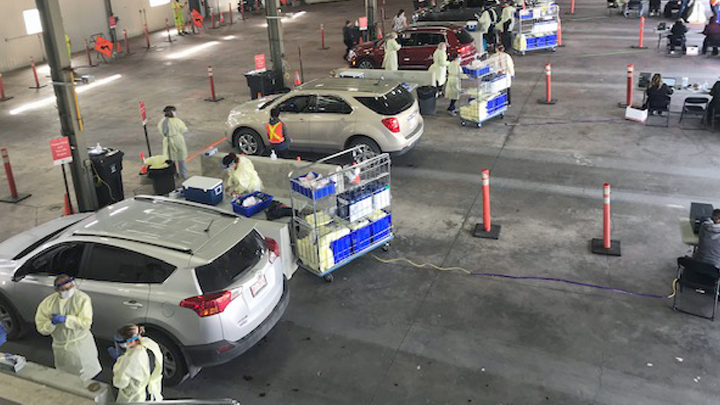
(81, 18)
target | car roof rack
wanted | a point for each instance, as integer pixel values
(157, 199)
(164, 245)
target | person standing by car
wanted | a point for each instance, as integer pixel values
(390, 59)
(138, 372)
(503, 63)
(454, 83)
(277, 134)
(67, 315)
(348, 37)
(172, 130)
(439, 66)
(399, 21)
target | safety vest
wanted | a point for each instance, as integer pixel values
(275, 133)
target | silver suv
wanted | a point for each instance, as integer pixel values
(204, 283)
(333, 114)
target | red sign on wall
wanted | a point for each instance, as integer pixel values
(61, 152)
(260, 62)
(112, 22)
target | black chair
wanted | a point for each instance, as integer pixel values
(612, 5)
(694, 107)
(711, 46)
(633, 8)
(712, 116)
(673, 43)
(702, 277)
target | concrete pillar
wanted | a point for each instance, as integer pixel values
(61, 73)
(370, 13)
(275, 36)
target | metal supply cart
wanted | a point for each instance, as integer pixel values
(487, 94)
(536, 28)
(344, 215)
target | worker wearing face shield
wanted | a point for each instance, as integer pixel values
(138, 371)
(67, 315)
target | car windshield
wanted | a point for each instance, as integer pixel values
(463, 36)
(224, 270)
(42, 241)
(392, 103)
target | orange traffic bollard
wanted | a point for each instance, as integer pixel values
(606, 246)
(486, 230)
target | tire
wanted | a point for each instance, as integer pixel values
(371, 146)
(10, 320)
(175, 368)
(365, 63)
(248, 142)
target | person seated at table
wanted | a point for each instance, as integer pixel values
(677, 36)
(658, 95)
(708, 249)
(712, 35)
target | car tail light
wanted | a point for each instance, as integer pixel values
(273, 248)
(208, 304)
(463, 49)
(392, 124)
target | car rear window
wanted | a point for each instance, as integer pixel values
(391, 103)
(224, 270)
(463, 36)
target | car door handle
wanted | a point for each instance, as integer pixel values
(133, 304)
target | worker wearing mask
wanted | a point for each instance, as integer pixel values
(390, 59)
(439, 66)
(240, 177)
(172, 130)
(138, 372)
(67, 315)
(277, 134)
(179, 15)
(503, 63)
(454, 87)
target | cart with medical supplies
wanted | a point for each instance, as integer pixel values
(342, 216)
(536, 27)
(487, 95)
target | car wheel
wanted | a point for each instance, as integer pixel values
(371, 148)
(175, 369)
(10, 320)
(365, 64)
(249, 142)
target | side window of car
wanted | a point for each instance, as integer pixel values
(407, 39)
(60, 259)
(332, 104)
(295, 104)
(429, 39)
(118, 265)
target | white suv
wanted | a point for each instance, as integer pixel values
(204, 283)
(332, 114)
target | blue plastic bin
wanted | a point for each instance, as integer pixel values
(476, 72)
(310, 193)
(252, 210)
(361, 238)
(540, 42)
(341, 248)
(381, 228)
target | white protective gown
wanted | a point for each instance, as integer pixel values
(73, 344)
(508, 14)
(244, 178)
(439, 67)
(173, 141)
(487, 18)
(455, 74)
(131, 373)
(503, 63)
(697, 13)
(390, 59)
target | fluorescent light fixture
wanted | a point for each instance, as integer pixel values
(51, 100)
(193, 50)
(158, 3)
(32, 21)
(229, 37)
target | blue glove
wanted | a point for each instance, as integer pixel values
(3, 335)
(57, 318)
(114, 352)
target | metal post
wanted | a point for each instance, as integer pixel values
(322, 37)
(212, 98)
(35, 75)
(127, 45)
(486, 230)
(147, 35)
(302, 72)
(167, 28)
(629, 91)
(548, 86)
(14, 196)
(642, 32)
(59, 62)
(2, 91)
(559, 34)
(370, 13)
(89, 56)
(606, 246)
(275, 36)
(230, 12)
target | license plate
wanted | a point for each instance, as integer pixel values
(262, 282)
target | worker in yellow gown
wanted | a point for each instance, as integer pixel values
(179, 14)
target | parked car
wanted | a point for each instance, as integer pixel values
(418, 44)
(456, 11)
(332, 114)
(204, 283)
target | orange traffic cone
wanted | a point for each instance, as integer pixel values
(298, 82)
(119, 49)
(67, 209)
(379, 33)
(143, 167)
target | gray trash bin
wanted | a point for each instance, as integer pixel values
(427, 100)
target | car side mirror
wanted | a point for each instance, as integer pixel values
(21, 273)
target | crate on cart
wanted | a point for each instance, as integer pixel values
(342, 216)
(536, 27)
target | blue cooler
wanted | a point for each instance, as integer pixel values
(204, 190)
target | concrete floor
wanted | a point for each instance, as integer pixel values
(392, 333)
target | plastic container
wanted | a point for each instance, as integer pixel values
(314, 194)
(381, 228)
(203, 190)
(163, 179)
(476, 72)
(107, 166)
(471, 26)
(341, 248)
(361, 238)
(427, 100)
(265, 200)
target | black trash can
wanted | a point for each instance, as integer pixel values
(163, 179)
(107, 175)
(427, 100)
(264, 83)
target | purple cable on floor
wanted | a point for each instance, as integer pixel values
(562, 280)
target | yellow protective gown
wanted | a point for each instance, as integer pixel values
(390, 59)
(173, 141)
(243, 179)
(179, 15)
(131, 373)
(439, 67)
(455, 74)
(508, 14)
(73, 344)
